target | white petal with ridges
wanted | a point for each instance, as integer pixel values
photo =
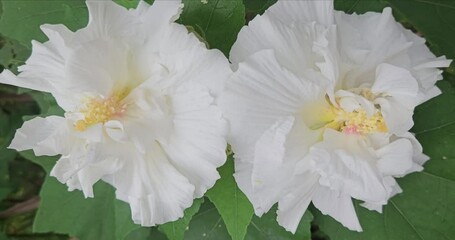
(43, 135)
(337, 205)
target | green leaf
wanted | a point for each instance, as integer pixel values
(434, 20)
(10, 119)
(60, 211)
(255, 7)
(5, 187)
(127, 3)
(266, 227)
(424, 211)
(207, 224)
(359, 6)
(12, 53)
(176, 230)
(47, 103)
(232, 204)
(218, 21)
(146, 234)
(434, 128)
(31, 14)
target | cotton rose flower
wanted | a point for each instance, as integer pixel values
(320, 109)
(139, 94)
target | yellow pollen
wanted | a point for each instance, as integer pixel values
(358, 121)
(355, 122)
(100, 110)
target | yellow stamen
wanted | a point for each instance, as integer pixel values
(360, 121)
(100, 110)
(357, 121)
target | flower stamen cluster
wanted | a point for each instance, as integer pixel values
(357, 121)
(100, 110)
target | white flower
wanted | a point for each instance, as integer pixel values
(320, 107)
(139, 94)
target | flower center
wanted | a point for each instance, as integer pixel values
(357, 121)
(100, 110)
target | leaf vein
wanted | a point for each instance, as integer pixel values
(435, 128)
(406, 219)
(209, 21)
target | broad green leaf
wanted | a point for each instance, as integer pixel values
(60, 211)
(266, 227)
(434, 20)
(207, 224)
(217, 21)
(232, 204)
(424, 211)
(30, 14)
(435, 128)
(176, 230)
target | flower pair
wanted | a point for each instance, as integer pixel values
(318, 109)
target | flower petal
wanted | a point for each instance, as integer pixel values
(157, 193)
(198, 136)
(293, 205)
(337, 205)
(107, 19)
(395, 158)
(269, 161)
(43, 135)
(398, 95)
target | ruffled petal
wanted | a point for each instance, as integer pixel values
(198, 136)
(196, 64)
(46, 136)
(100, 67)
(82, 169)
(425, 66)
(346, 165)
(337, 205)
(269, 161)
(293, 205)
(294, 45)
(366, 41)
(107, 19)
(158, 192)
(397, 83)
(42, 71)
(395, 158)
(418, 157)
(158, 16)
(255, 100)
(398, 95)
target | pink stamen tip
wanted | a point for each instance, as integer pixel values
(350, 130)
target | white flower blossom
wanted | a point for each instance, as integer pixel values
(320, 109)
(139, 94)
